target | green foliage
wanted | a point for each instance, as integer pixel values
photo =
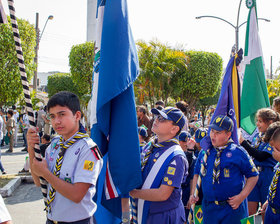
(273, 88)
(168, 74)
(81, 60)
(204, 104)
(203, 75)
(61, 82)
(10, 79)
(160, 65)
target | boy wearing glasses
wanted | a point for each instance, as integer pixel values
(164, 169)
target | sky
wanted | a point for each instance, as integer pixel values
(171, 22)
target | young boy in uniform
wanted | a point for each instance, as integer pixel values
(71, 165)
(272, 206)
(164, 169)
(222, 183)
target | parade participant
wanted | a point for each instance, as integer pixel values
(276, 104)
(16, 117)
(143, 137)
(199, 135)
(71, 166)
(25, 125)
(164, 169)
(271, 207)
(261, 152)
(186, 142)
(223, 188)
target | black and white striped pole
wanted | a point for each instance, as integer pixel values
(26, 91)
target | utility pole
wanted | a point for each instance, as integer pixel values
(36, 52)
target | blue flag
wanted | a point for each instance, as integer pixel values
(229, 100)
(113, 112)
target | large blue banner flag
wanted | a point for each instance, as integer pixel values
(229, 100)
(113, 113)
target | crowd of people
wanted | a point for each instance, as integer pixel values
(182, 162)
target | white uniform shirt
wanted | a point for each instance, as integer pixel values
(79, 165)
(4, 213)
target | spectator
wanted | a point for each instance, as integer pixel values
(40, 120)
(11, 126)
(16, 117)
(143, 119)
(25, 125)
(1, 137)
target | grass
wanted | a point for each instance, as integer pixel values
(4, 179)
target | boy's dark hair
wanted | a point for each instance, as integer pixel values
(11, 112)
(272, 132)
(142, 109)
(160, 103)
(182, 105)
(65, 99)
(14, 107)
(47, 137)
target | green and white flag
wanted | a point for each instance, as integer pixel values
(254, 94)
(248, 220)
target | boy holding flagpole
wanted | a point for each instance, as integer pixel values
(164, 169)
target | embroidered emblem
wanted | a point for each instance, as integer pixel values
(229, 154)
(204, 173)
(218, 119)
(171, 170)
(169, 182)
(269, 148)
(226, 172)
(77, 152)
(202, 134)
(68, 180)
(88, 165)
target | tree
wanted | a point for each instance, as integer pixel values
(203, 76)
(205, 103)
(61, 82)
(273, 88)
(10, 79)
(159, 65)
(81, 60)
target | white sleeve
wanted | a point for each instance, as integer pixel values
(4, 213)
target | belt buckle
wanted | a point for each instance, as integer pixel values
(217, 202)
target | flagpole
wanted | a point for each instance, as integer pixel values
(26, 91)
(197, 187)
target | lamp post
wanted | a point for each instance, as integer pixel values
(38, 38)
(235, 27)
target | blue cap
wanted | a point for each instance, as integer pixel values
(172, 114)
(200, 134)
(142, 131)
(184, 136)
(222, 122)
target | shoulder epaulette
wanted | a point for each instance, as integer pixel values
(96, 152)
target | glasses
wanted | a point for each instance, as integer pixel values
(160, 118)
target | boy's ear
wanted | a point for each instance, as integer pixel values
(78, 115)
(175, 129)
